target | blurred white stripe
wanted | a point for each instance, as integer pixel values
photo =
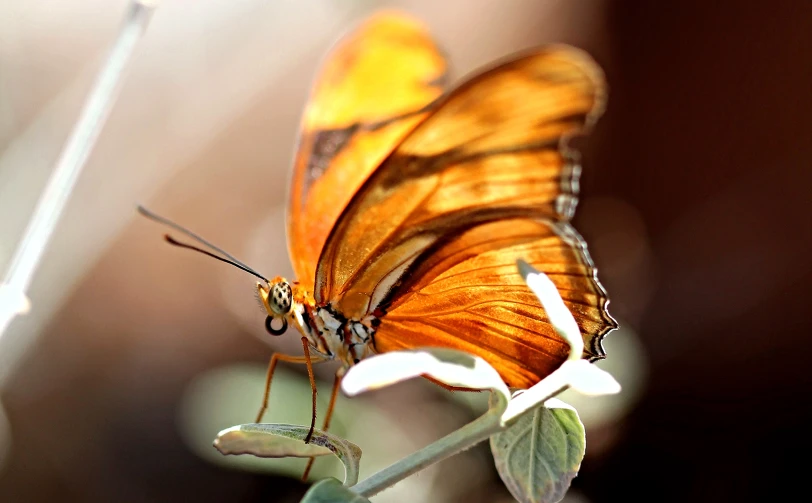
(200, 66)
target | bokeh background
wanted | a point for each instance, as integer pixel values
(695, 203)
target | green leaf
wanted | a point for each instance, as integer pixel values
(270, 440)
(330, 490)
(539, 455)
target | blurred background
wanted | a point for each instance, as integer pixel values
(695, 204)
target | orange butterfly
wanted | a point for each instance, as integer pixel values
(409, 207)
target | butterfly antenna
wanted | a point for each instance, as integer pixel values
(226, 257)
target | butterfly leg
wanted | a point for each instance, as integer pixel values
(448, 387)
(275, 358)
(309, 362)
(328, 416)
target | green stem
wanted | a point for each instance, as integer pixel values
(467, 436)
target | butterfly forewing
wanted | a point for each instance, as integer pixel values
(373, 90)
(490, 149)
(490, 156)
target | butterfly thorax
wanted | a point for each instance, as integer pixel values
(331, 335)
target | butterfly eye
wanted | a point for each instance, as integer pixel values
(280, 298)
(275, 331)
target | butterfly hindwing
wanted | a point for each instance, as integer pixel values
(469, 295)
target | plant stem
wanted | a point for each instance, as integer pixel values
(535, 397)
(467, 436)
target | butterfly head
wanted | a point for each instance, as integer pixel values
(277, 299)
(289, 303)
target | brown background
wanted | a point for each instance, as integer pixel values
(696, 206)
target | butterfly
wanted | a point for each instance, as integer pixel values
(410, 205)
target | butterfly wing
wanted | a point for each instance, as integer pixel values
(469, 295)
(436, 223)
(373, 90)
